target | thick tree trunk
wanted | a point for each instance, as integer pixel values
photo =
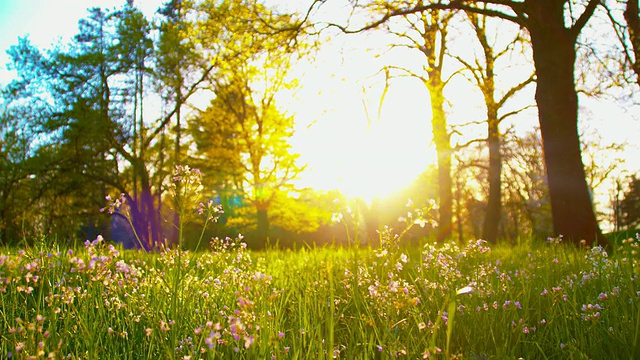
(557, 100)
(441, 139)
(632, 17)
(494, 203)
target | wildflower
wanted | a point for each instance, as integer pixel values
(280, 334)
(420, 221)
(164, 326)
(544, 292)
(465, 290)
(422, 326)
(445, 318)
(336, 217)
(248, 340)
(379, 348)
(382, 253)
(148, 331)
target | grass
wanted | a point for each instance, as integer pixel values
(546, 301)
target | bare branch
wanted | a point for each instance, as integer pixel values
(515, 89)
(451, 6)
(468, 143)
(586, 15)
(167, 118)
(515, 112)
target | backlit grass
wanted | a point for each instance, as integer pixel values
(436, 301)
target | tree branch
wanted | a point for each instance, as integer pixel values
(167, 118)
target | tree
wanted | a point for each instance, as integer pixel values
(16, 158)
(527, 198)
(243, 134)
(96, 126)
(255, 137)
(178, 67)
(630, 205)
(483, 75)
(427, 33)
(52, 203)
(554, 27)
(632, 18)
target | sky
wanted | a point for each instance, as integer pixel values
(362, 155)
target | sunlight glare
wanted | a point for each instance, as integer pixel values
(369, 158)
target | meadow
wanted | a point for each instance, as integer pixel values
(464, 301)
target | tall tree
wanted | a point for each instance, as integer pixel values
(528, 211)
(427, 33)
(483, 75)
(252, 68)
(178, 66)
(630, 205)
(554, 27)
(97, 126)
(255, 138)
(16, 157)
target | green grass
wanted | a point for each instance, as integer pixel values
(545, 301)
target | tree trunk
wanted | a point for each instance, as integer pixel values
(263, 226)
(557, 100)
(177, 153)
(494, 203)
(441, 139)
(633, 25)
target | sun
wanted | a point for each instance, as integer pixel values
(363, 155)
